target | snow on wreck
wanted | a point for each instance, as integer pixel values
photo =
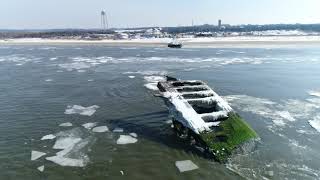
(204, 118)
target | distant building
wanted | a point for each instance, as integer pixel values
(219, 23)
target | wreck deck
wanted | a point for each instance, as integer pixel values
(207, 116)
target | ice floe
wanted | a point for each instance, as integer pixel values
(133, 135)
(125, 139)
(118, 130)
(48, 137)
(41, 168)
(315, 123)
(153, 81)
(147, 73)
(89, 125)
(100, 129)
(36, 155)
(314, 93)
(73, 144)
(186, 165)
(67, 124)
(65, 142)
(85, 111)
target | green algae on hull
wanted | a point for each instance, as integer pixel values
(231, 133)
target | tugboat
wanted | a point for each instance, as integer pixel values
(202, 118)
(175, 44)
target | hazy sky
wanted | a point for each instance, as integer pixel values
(33, 14)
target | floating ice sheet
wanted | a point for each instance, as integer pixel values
(186, 165)
(133, 135)
(73, 144)
(36, 155)
(85, 111)
(67, 124)
(125, 139)
(153, 81)
(48, 137)
(89, 125)
(66, 142)
(100, 129)
(41, 168)
(314, 93)
(315, 123)
(118, 130)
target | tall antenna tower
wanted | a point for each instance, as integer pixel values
(104, 20)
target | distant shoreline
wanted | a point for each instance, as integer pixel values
(239, 41)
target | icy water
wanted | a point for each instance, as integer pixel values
(57, 89)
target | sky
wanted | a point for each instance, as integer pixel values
(52, 14)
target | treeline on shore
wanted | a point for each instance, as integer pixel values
(81, 33)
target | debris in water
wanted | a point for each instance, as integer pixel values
(67, 124)
(100, 129)
(48, 137)
(131, 77)
(186, 165)
(122, 173)
(36, 155)
(125, 139)
(41, 168)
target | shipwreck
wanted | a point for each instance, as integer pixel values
(202, 117)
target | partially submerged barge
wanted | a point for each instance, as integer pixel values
(203, 117)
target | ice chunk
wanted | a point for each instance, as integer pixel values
(63, 157)
(315, 123)
(85, 111)
(314, 93)
(285, 115)
(125, 139)
(36, 155)
(47, 137)
(89, 125)
(118, 130)
(41, 168)
(131, 77)
(151, 86)
(154, 78)
(133, 135)
(100, 129)
(73, 143)
(65, 142)
(186, 165)
(67, 124)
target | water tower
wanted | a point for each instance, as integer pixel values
(104, 20)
